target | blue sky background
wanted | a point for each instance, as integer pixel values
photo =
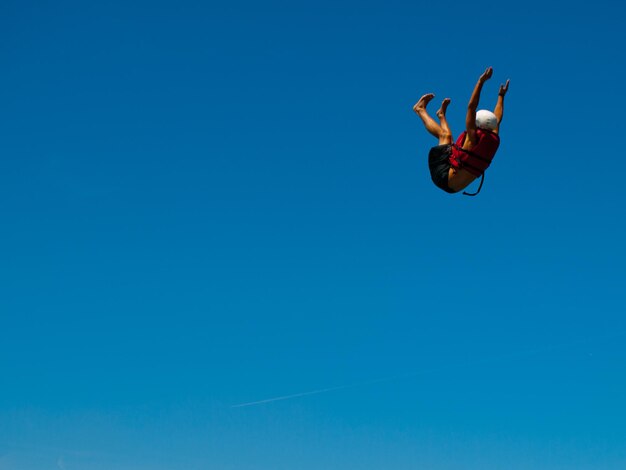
(205, 205)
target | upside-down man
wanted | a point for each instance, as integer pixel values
(453, 166)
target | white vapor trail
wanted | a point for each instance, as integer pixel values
(321, 390)
(488, 360)
(287, 397)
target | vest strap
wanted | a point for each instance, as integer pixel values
(482, 180)
(469, 152)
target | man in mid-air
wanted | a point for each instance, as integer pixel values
(453, 166)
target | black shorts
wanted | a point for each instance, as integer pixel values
(439, 164)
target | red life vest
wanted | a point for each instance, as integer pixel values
(478, 158)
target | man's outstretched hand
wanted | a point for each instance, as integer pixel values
(487, 74)
(504, 88)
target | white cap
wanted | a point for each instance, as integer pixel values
(486, 120)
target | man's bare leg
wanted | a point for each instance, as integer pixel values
(420, 109)
(445, 137)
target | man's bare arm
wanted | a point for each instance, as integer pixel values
(499, 109)
(470, 119)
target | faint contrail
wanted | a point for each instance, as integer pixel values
(321, 390)
(287, 397)
(488, 360)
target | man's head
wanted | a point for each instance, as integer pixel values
(486, 120)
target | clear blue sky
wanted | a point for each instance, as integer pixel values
(205, 205)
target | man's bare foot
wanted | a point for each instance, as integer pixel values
(423, 102)
(441, 112)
